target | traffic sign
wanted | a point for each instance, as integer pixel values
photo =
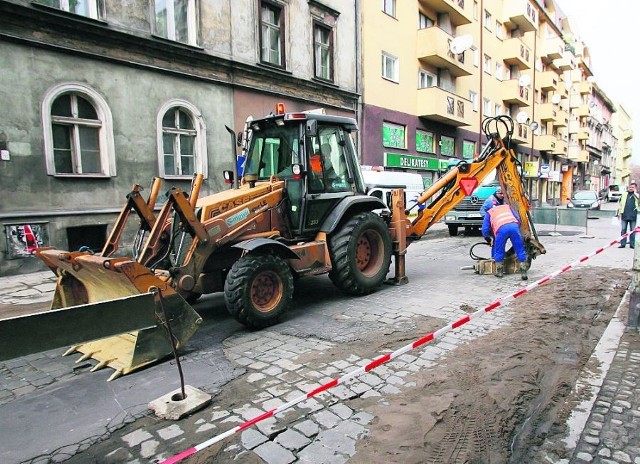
(468, 185)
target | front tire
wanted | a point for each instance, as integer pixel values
(453, 230)
(258, 290)
(360, 254)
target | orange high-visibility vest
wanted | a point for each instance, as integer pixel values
(500, 215)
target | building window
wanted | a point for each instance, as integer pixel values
(89, 8)
(475, 10)
(426, 79)
(176, 20)
(323, 52)
(393, 135)
(271, 35)
(424, 141)
(424, 21)
(468, 149)
(181, 140)
(486, 107)
(390, 67)
(487, 20)
(476, 56)
(500, 33)
(487, 64)
(447, 145)
(473, 96)
(78, 132)
(389, 7)
(498, 109)
(499, 71)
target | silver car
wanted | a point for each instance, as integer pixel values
(584, 199)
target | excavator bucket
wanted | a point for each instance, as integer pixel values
(94, 281)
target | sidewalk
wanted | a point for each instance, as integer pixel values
(603, 428)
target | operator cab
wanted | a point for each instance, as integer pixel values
(315, 156)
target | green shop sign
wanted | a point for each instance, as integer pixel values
(396, 160)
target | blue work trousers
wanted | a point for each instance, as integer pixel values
(509, 231)
(632, 238)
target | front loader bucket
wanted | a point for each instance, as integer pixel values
(86, 279)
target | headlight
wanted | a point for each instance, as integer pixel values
(569, 205)
(594, 204)
(449, 218)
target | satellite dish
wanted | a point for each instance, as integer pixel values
(555, 99)
(522, 117)
(461, 44)
(524, 80)
(534, 126)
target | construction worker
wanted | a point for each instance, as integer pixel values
(504, 223)
(494, 200)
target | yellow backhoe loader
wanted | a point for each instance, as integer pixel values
(299, 208)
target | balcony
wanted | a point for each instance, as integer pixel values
(562, 118)
(433, 50)
(436, 104)
(521, 14)
(515, 94)
(576, 153)
(521, 134)
(545, 142)
(459, 11)
(560, 148)
(515, 52)
(553, 48)
(562, 64)
(546, 112)
(547, 80)
(584, 87)
(582, 110)
(583, 134)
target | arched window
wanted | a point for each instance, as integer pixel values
(181, 140)
(78, 132)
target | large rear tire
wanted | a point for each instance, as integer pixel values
(360, 254)
(258, 290)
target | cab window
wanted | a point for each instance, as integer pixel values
(328, 171)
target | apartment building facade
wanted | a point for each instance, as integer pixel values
(99, 96)
(424, 101)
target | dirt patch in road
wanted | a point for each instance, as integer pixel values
(497, 398)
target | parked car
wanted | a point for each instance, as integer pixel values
(584, 199)
(615, 192)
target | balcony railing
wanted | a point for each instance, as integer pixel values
(547, 80)
(459, 11)
(576, 153)
(562, 118)
(521, 134)
(553, 48)
(563, 64)
(560, 148)
(521, 14)
(514, 93)
(515, 52)
(433, 49)
(439, 105)
(546, 112)
(583, 134)
(546, 142)
(584, 87)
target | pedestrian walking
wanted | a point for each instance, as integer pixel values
(505, 224)
(628, 213)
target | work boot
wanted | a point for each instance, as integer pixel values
(523, 271)
(499, 270)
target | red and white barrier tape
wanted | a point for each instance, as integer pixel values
(388, 357)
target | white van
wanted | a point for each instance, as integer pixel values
(381, 183)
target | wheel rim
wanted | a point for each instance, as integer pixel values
(266, 291)
(369, 253)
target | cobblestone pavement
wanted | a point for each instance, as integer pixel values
(289, 360)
